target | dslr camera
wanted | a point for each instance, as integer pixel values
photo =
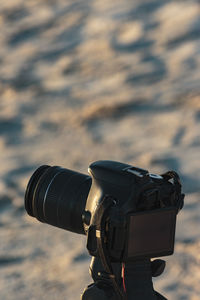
(127, 214)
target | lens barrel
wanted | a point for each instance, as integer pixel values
(57, 196)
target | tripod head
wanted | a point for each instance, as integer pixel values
(135, 278)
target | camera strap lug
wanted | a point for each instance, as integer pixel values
(179, 197)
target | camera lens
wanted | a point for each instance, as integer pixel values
(57, 196)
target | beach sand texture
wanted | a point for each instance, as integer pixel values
(87, 80)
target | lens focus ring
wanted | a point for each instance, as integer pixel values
(57, 196)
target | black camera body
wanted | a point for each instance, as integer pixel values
(128, 215)
(141, 220)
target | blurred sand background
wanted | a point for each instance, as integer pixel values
(87, 80)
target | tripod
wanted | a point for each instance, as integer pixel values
(137, 280)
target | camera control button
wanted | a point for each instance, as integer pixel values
(150, 199)
(137, 171)
(155, 176)
(86, 217)
(91, 240)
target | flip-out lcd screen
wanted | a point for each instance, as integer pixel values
(151, 233)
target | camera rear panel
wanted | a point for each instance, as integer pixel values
(150, 234)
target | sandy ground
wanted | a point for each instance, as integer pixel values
(87, 80)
